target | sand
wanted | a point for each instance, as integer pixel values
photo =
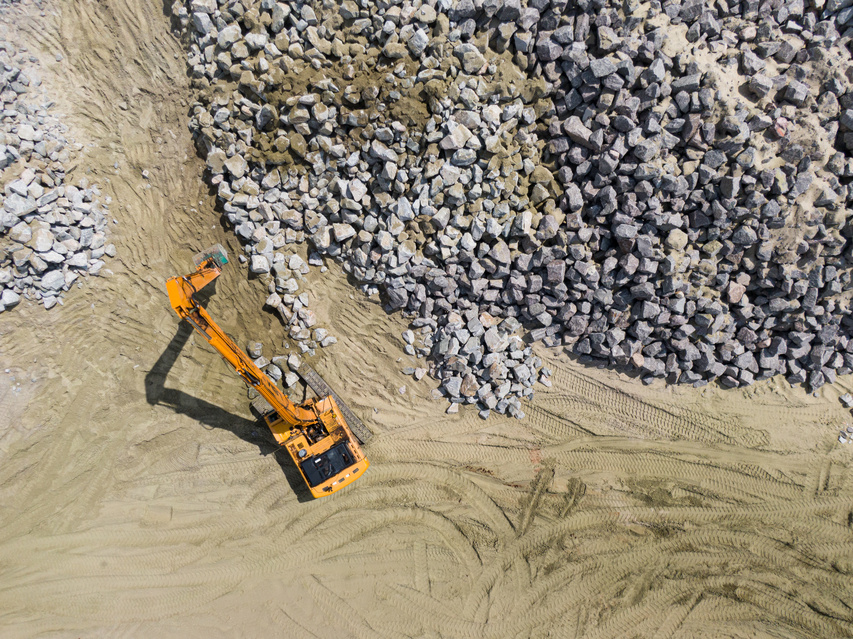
(139, 498)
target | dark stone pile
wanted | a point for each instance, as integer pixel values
(655, 187)
(691, 256)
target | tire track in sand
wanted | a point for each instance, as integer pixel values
(107, 559)
(581, 393)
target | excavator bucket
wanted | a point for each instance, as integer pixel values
(216, 251)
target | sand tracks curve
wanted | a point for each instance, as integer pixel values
(138, 498)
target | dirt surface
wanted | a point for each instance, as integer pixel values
(138, 498)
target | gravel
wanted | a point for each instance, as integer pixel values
(52, 233)
(503, 173)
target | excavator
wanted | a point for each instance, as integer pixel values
(314, 433)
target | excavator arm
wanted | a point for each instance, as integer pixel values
(181, 290)
(316, 434)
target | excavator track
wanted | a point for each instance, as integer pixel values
(261, 406)
(319, 386)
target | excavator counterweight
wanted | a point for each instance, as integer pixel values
(315, 433)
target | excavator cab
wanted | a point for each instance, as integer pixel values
(322, 467)
(316, 433)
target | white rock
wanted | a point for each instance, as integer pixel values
(256, 41)
(26, 132)
(291, 379)
(53, 280)
(293, 362)
(237, 166)
(356, 190)
(260, 264)
(296, 263)
(21, 233)
(343, 232)
(9, 298)
(78, 260)
(42, 240)
(228, 36)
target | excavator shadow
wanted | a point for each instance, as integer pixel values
(211, 415)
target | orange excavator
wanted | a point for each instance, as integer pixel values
(315, 433)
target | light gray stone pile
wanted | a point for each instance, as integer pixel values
(52, 233)
(652, 186)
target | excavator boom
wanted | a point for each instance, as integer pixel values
(315, 433)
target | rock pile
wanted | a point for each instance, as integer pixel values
(653, 186)
(51, 233)
(686, 199)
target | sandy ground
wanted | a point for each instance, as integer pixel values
(138, 498)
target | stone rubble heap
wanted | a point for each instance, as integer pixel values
(662, 188)
(52, 233)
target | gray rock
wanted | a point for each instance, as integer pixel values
(273, 372)
(751, 63)
(574, 198)
(730, 186)
(53, 281)
(797, 92)
(688, 83)
(418, 42)
(625, 231)
(744, 236)
(647, 149)
(548, 50)
(577, 131)
(397, 297)
(452, 386)
(602, 67)
(464, 157)
(470, 58)
(265, 119)
(255, 349)
(760, 84)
